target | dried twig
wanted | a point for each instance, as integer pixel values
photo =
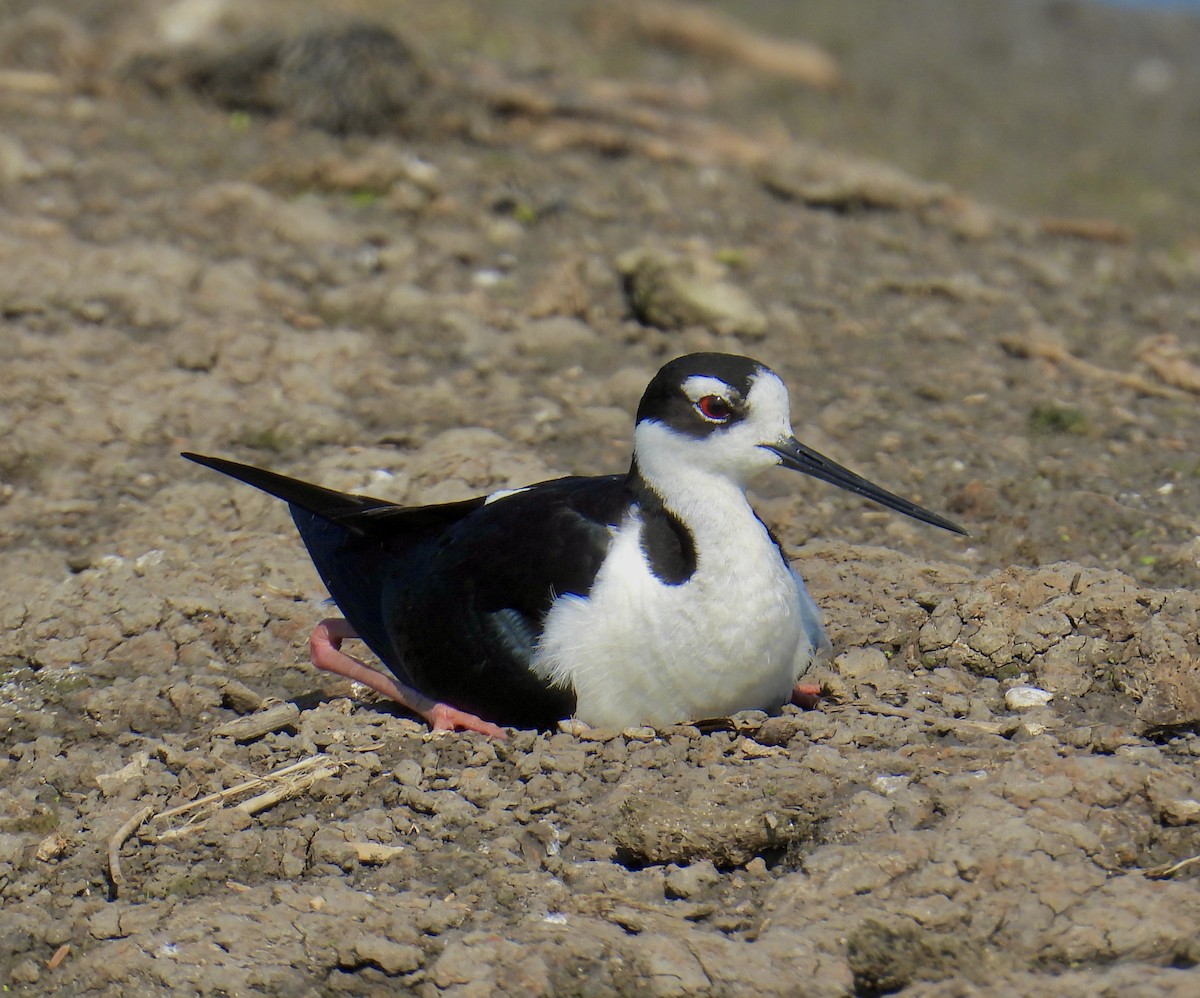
(1166, 358)
(263, 722)
(115, 876)
(911, 714)
(1168, 870)
(220, 796)
(698, 29)
(1097, 230)
(293, 786)
(563, 121)
(375, 853)
(27, 81)
(1045, 347)
(290, 781)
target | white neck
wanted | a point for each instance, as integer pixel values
(693, 478)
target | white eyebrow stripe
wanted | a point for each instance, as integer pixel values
(698, 386)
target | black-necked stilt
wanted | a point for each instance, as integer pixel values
(645, 598)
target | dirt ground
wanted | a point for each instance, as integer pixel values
(431, 270)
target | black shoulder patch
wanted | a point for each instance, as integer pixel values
(668, 546)
(666, 541)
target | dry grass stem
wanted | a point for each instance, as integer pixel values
(1167, 870)
(115, 876)
(290, 780)
(910, 714)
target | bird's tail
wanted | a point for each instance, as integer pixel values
(328, 504)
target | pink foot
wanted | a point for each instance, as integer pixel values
(325, 649)
(806, 695)
(443, 717)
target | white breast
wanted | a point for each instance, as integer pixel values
(639, 651)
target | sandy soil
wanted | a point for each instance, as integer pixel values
(445, 304)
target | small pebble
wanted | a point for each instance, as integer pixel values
(888, 785)
(688, 881)
(1180, 812)
(572, 726)
(1026, 698)
(407, 772)
(858, 663)
(25, 972)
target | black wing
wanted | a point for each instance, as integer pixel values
(452, 598)
(470, 609)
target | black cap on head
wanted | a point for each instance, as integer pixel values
(665, 400)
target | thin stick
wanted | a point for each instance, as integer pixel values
(257, 781)
(1045, 348)
(911, 714)
(1162, 872)
(697, 29)
(115, 876)
(27, 81)
(263, 722)
(283, 791)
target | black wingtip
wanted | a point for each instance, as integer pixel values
(323, 502)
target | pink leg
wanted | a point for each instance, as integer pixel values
(325, 647)
(806, 695)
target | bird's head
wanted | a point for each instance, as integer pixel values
(729, 416)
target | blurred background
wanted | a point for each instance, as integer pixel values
(1048, 105)
(1060, 107)
(1063, 107)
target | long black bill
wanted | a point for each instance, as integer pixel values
(796, 456)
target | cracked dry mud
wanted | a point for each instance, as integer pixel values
(428, 315)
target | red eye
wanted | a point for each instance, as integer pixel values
(715, 408)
